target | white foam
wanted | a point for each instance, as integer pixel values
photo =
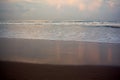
(82, 31)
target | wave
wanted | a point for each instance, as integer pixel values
(72, 22)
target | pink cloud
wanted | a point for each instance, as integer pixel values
(60, 3)
(82, 7)
(95, 4)
(81, 4)
(111, 3)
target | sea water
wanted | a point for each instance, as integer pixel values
(90, 31)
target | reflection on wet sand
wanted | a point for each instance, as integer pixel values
(92, 53)
(109, 54)
(84, 53)
(59, 52)
(81, 51)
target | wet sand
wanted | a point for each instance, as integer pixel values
(59, 52)
(29, 59)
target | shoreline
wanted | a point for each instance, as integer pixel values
(59, 40)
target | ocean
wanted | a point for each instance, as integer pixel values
(90, 31)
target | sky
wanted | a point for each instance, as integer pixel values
(99, 10)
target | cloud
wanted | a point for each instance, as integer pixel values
(111, 3)
(81, 4)
(60, 9)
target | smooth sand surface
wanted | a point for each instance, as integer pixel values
(26, 71)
